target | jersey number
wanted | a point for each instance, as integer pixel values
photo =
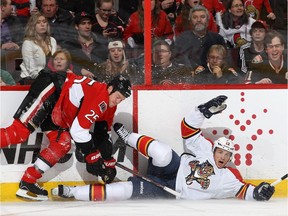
(92, 116)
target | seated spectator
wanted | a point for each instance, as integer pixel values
(107, 22)
(118, 64)
(254, 7)
(164, 70)
(250, 50)
(235, 24)
(60, 61)
(11, 28)
(86, 49)
(171, 8)
(60, 20)
(191, 47)
(217, 71)
(161, 27)
(182, 22)
(273, 67)
(6, 78)
(38, 45)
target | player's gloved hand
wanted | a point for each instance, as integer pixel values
(110, 171)
(263, 191)
(213, 107)
(94, 163)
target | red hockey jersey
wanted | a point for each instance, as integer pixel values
(82, 102)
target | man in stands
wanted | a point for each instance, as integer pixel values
(81, 103)
(201, 172)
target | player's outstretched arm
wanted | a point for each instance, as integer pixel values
(213, 107)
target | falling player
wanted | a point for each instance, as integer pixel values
(200, 173)
(63, 112)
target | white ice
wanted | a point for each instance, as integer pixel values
(229, 207)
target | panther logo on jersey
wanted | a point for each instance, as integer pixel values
(200, 173)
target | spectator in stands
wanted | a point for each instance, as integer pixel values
(191, 47)
(217, 71)
(38, 45)
(6, 78)
(60, 61)
(118, 64)
(164, 70)
(182, 22)
(171, 8)
(272, 68)
(254, 7)
(11, 28)
(60, 20)
(235, 24)
(250, 50)
(280, 10)
(107, 22)
(161, 27)
(86, 49)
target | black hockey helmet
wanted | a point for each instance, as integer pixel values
(121, 84)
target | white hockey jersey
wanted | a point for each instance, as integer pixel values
(198, 176)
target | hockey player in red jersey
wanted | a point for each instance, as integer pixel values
(201, 172)
(64, 113)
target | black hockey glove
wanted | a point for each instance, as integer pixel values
(110, 170)
(263, 191)
(213, 106)
(94, 163)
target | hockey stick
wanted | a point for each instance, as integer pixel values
(169, 190)
(279, 180)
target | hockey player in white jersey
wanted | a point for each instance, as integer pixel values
(201, 172)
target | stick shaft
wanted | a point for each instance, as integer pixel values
(279, 180)
(169, 190)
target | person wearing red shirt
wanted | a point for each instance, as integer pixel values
(254, 8)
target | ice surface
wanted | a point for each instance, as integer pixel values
(229, 207)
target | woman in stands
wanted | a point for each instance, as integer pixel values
(38, 45)
(235, 24)
(161, 26)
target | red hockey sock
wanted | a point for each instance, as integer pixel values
(14, 134)
(31, 175)
(97, 192)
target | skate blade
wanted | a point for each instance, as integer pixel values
(31, 196)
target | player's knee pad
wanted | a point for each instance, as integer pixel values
(14, 134)
(60, 144)
(160, 153)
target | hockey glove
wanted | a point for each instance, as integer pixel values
(94, 163)
(263, 191)
(110, 171)
(213, 107)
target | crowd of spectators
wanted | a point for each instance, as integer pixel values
(193, 41)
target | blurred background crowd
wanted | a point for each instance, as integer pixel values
(193, 41)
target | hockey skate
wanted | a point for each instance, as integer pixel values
(32, 191)
(122, 132)
(63, 191)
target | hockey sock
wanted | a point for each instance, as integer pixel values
(160, 153)
(14, 134)
(31, 175)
